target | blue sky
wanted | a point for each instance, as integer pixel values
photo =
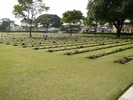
(56, 7)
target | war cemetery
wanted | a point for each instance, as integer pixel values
(47, 60)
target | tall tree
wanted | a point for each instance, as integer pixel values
(114, 11)
(29, 9)
(90, 22)
(6, 23)
(47, 20)
(72, 18)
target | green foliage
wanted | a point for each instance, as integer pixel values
(115, 11)
(72, 18)
(29, 9)
(47, 20)
(6, 24)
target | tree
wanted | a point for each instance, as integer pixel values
(112, 11)
(90, 22)
(72, 18)
(29, 9)
(47, 20)
(90, 19)
(6, 23)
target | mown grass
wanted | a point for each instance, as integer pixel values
(27, 74)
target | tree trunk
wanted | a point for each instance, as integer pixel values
(118, 33)
(71, 29)
(47, 28)
(30, 32)
(118, 25)
(95, 31)
(30, 28)
(95, 28)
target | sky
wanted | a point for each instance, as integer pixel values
(57, 7)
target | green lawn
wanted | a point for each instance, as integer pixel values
(27, 74)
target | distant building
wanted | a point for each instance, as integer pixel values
(125, 29)
(17, 28)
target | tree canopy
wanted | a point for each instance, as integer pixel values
(48, 20)
(72, 17)
(29, 9)
(115, 11)
(6, 23)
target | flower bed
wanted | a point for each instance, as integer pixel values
(124, 59)
(94, 49)
(85, 46)
(109, 52)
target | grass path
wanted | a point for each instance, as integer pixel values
(27, 74)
